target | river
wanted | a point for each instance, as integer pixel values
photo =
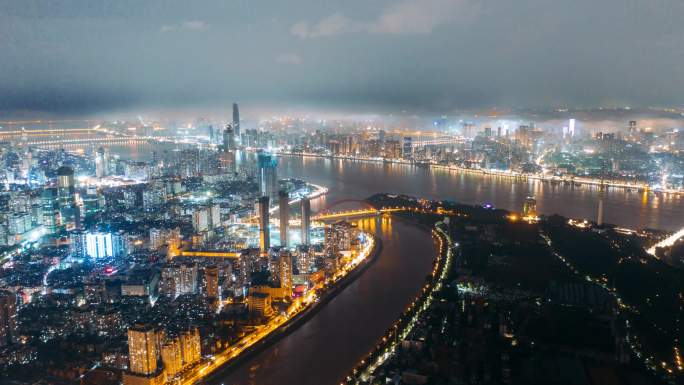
(322, 350)
(359, 179)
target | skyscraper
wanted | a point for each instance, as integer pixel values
(306, 221)
(571, 127)
(268, 175)
(101, 163)
(407, 148)
(8, 317)
(284, 214)
(632, 128)
(236, 120)
(262, 207)
(65, 183)
(50, 203)
(67, 197)
(228, 138)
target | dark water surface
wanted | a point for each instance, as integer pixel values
(359, 179)
(324, 349)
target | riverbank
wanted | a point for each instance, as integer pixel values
(301, 318)
(572, 180)
(387, 345)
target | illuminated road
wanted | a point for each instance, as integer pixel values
(669, 241)
(300, 304)
(321, 351)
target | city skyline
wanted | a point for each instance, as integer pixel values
(408, 192)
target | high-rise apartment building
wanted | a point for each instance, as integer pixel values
(172, 358)
(285, 271)
(190, 346)
(211, 278)
(143, 356)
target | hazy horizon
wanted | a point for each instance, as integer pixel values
(77, 57)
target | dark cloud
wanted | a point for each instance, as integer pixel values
(83, 56)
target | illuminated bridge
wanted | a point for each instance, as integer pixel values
(366, 210)
(326, 214)
(48, 132)
(102, 140)
(354, 213)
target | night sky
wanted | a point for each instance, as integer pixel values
(84, 56)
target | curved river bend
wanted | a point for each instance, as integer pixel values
(322, 350)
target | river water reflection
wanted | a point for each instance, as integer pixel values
(323, 349)
(359, 179)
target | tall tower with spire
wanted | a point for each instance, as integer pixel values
(236, 120)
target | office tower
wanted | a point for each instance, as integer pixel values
(51, 215)
(268, 175)
(66, 192)
(91, 202)
(172, 357)
(8, 317)
(101, 163)
(530, 207)
(284, 214)
(211, 278)
(190, 346)
(285, 272)
(26, 163)
(143, 356)
(262, 207)
(632, 128)
(407, 149)
(65, 183)
(306, 221)
(571, 127)
(228, 138)
(236, 120)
